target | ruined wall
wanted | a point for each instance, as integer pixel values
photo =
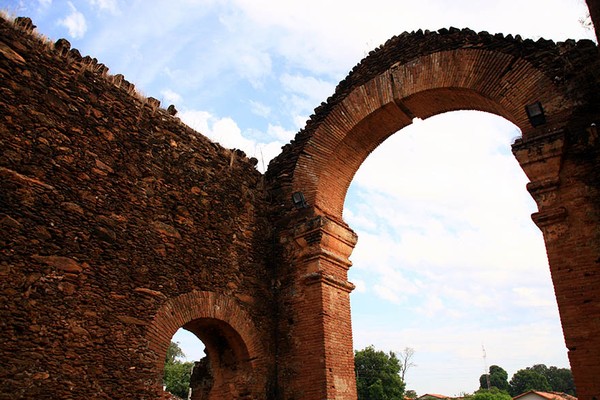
(110, 208)
(118, 224)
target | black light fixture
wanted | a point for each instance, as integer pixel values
(535, 113)
(299, 200)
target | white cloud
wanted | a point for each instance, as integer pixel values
(303, 95)
(227, 133)
(360, 286)
(266, 152)
(74, 22)
(432, 306)
(334, 39)
(171, 96)
(388, 293)
(308, 40)
(260, 109)
(534, 297)
(299, 120)
(221, 130)
(451, 354)
(253, 66)
(359, 220)
(197, 120)
(281, 134)
(45, 3)
(106, 5)
(446, 240)
(313, 89)
(201, 3)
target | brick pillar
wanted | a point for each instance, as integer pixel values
(563, 170)
(319, 357)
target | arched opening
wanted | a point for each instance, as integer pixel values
(234, 366)
(448, 258)
(185, 358)
(215, 361)
(421, 75)
(477, 80)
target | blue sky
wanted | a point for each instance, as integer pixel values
(448, 259)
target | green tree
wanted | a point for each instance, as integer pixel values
(498, 378)
(176, 376)
(377, 375)
(174, 352)
(492, 394)
(410, 394)
(559, 379)
(527, 379)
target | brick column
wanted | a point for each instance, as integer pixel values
(319, 357)
(565, 184)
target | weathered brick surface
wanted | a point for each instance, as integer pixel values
(565, 183)
(316, 354)
(110, 211)
(119, 225)
(420, 75)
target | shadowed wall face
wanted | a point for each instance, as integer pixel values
(110, 209)
(594, 7)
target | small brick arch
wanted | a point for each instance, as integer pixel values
(221, 324)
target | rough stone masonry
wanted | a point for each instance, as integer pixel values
(119, 224)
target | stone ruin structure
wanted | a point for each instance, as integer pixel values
(119, 224)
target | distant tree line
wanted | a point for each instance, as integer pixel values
(380, 376)
(538, 377)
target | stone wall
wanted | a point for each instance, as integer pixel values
(110, 208)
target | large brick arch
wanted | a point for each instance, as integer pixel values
(419, 75)
(221, 324)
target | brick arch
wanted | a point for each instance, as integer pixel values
(221, 324)
(419, 75)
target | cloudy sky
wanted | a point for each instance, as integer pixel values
(448, 260)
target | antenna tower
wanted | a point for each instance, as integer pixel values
(485, 368)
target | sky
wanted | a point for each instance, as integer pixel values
(448, 261)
